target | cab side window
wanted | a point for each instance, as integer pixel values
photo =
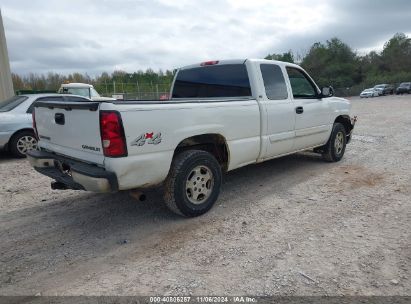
(301, 86)
(274, 83)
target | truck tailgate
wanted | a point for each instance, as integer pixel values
(71, 129)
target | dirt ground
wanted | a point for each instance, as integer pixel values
(291, 226)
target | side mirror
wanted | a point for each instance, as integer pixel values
(327, 91)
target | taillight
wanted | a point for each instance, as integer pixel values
(112, 134)
(209, 63)
(33, 115)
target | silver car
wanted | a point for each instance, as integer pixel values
(369, 93)
(16, 126)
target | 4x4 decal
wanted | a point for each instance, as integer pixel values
(150, 138)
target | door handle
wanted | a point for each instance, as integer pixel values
(59, 118)
(299, 110)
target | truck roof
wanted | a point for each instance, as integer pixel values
(238, 61)
(76, 85)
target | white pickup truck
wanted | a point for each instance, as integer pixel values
(82, 89)
(222, 115)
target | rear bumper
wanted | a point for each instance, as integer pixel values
(74, 174)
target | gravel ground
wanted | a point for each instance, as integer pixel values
(291, 226)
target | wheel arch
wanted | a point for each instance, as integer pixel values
(16, 133)
(345, 120)
(214, 143)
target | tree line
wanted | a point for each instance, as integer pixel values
(335, 63)
(105, 83)
(332, 63)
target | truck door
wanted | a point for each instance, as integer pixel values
(312, 113)
(277, 106)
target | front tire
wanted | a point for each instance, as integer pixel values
(22, 142)
(193, 183)
(335, 147)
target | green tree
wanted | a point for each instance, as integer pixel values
(396, 54)
(286, 57)
(333, 63)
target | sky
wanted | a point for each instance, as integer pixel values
(94, 36)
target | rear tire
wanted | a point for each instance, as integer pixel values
(335, 147)
(22, 142)
(193, 183)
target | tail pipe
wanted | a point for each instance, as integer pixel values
(138, 195)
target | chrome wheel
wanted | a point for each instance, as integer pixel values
(339, 143)
(26, 143)
(199, 184)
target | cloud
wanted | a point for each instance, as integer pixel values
(94, 36)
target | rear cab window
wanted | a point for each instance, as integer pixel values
(85, 92)
(214, 81)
